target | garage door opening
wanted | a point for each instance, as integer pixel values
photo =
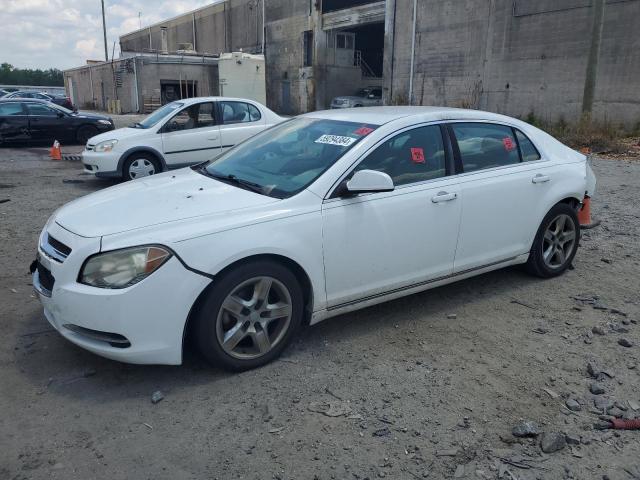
(172, 90)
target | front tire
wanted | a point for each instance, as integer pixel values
(140, 165)
(85, 133)
(556, 242)
(249, 316)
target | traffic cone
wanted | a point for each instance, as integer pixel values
(584, 215)
(56, 153)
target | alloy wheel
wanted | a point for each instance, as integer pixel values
(558, 241)
(254, 318)
(141, 168)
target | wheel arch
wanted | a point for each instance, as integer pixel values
(86, 125)
(573, 201)
(300, 273)
(151, 151)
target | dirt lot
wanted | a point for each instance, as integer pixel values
(429, 386)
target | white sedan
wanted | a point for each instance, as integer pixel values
(176, 135)
(326, 213)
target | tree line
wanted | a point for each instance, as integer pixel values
(10, 75)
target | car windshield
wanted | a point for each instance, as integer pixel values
(60, 107)
(287, 158)
(363, 92)
(158, 115)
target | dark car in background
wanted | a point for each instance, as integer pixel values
(58, 99)
(30, 120)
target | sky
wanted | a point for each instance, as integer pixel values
(66, 33)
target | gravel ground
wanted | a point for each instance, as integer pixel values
(428, 386)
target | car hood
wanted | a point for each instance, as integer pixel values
(92, 116)
(351, 98)
(118, 134)
(160, 199)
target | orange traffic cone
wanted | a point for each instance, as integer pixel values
(584, 215)
(56, 153)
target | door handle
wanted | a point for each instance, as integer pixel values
(539, 178)
(444, 197)
(212, 138)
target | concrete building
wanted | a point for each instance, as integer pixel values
(554, 58)
(141, 82)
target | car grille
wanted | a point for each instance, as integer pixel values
(46, 279)
(55, 249)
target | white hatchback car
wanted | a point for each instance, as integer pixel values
(326, 213)
(177, 135)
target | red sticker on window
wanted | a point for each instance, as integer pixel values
(363, 131)
(417, 155)
(508, 144)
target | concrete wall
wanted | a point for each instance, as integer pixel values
(286, 22)
(518, 56)
(223, 27)
(94, 85)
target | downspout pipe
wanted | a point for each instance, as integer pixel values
(413, 50)
(263, 23)
(135, 79)
(193, 30)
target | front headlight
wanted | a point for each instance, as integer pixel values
(123, 268)
(106, 146)
(104, 122)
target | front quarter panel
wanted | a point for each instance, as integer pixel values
(290, 228)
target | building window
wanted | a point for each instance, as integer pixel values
(307, 48)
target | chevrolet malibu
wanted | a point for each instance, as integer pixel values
(320, 215)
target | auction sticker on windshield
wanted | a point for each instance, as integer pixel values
(336, 140)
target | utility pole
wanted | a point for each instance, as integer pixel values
(104, 31)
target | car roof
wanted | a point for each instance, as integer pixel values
(382, 115)
(14, 99)
(189, 101)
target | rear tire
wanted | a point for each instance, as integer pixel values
(140, 165)
(249, 316)
(556, 242)
(85, 133)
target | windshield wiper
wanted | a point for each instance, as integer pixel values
(239, 182)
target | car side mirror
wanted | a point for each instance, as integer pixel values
(367, 181)
(60, 114)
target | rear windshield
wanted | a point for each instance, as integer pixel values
(287, 158)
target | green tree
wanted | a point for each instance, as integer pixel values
(10, 75)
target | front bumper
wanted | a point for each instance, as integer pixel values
(101, 164)
(141, 324)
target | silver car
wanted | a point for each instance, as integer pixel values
(365, 97)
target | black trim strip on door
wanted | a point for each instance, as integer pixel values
(416, 285)
(199, 149)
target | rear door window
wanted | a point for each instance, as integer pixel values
(529, 151)
(485, 145)
(238, 112)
